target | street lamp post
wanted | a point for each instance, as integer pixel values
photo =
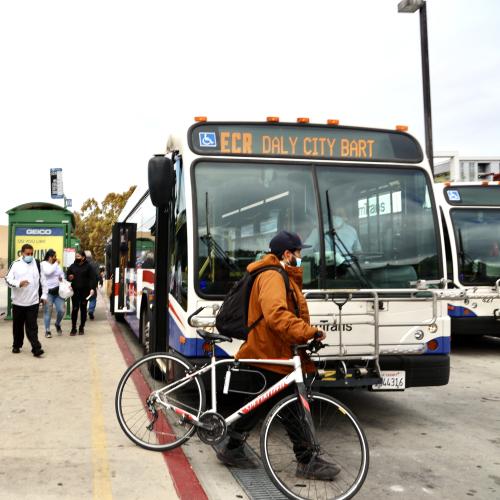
(411, 6)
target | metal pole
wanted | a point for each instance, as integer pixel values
(424, 48)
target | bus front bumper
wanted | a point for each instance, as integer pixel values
(421, 371)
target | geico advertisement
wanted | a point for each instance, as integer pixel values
(41, 239)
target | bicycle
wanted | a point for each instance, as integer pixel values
(166, 398)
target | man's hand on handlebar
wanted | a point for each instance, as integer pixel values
(320, 335)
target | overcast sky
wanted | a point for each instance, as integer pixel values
(95, 87)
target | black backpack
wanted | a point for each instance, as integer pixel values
(232, 318)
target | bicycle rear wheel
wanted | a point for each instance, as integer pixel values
(341, 439)
(142, 417)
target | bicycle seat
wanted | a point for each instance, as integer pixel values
(213, 337)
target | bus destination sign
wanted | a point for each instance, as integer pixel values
(303, 141)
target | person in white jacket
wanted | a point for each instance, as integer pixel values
(51, 276)
(24, 280)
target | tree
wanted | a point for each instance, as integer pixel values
(94, 222)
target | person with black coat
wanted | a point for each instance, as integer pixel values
(84, 282)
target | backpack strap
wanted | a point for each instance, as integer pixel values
(40, 292)
(284, 274)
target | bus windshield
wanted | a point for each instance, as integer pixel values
(477, 233)
(377, 226)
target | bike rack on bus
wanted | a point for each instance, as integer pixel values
(370, 373)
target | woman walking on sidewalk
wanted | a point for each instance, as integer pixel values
(84, 282)
(51, 275)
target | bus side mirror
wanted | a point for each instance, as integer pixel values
(161, 180)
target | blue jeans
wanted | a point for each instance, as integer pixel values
(92, 303)
(47, 310)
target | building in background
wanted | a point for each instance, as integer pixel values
(450, 166)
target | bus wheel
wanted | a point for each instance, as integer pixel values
(145, 330)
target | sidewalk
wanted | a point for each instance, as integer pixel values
(60, 438)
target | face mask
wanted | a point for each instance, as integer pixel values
(77, 260)
(27, 258)
(296, 262)
(337, 221)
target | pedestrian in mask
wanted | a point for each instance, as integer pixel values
(84, 282)
(51, 275)
(24, 280)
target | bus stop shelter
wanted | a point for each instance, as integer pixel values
(44, 226)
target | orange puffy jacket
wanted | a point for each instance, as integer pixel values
(279, 328)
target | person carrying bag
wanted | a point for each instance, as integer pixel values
(51, 275)
(84, 282)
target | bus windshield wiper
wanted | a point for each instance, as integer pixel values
(465, 259)
(214, 249)
(337, 243)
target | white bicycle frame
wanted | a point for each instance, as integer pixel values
(294, 377)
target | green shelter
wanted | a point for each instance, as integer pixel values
(44, 226)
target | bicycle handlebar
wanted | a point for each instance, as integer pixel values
(313, 346)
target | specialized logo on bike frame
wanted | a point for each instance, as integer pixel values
(264, 397)
(333, 327)
(208, 139)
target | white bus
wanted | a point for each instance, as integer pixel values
(471, 220)
(361, 197)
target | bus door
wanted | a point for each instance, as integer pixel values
(123, 261)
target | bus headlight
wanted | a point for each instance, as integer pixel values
(419, 335)
(433, 328)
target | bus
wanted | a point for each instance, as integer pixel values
(361, 197)
(471, 221)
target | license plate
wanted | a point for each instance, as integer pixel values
(391, 381)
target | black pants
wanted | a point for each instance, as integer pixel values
(78, 303)
(291, 417)
(25, 318)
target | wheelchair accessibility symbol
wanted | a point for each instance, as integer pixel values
(208, 139)
(453, 195)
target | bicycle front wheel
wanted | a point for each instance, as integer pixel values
(341, 439)
(152, 380)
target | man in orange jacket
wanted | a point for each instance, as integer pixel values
(285, 321)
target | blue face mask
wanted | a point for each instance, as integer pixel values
(27, 258)
(297, 263)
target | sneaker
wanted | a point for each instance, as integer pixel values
(91, 315)
(58, 330)
(317, 468)
(16, 350)
(81, 331)
(48, 335)
(236, 457)
(73, 331)
(38, 353)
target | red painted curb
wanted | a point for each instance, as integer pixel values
(185, 481)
